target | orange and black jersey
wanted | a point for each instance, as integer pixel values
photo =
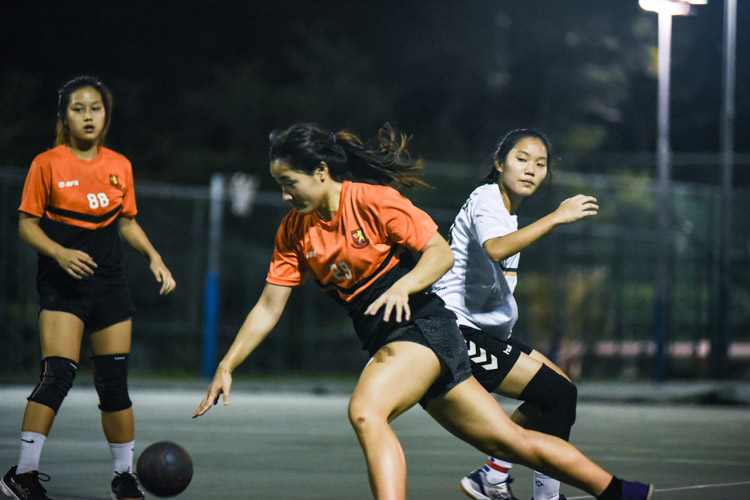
(79, 202)
(358, 254)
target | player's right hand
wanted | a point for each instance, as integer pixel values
(220, 386)
(76, 263)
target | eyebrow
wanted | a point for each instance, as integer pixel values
(72, 103)
(529, 154)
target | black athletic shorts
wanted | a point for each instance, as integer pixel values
(98, 306)
(491, 359)
(443, 337)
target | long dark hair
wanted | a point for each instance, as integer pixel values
(63, 100)
(508, 143)
(383, 160)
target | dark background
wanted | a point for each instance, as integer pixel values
(199, 85)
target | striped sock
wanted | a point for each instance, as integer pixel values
(496, 470)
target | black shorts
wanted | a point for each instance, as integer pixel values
(443, 337)
(491, 359)
(97, 306)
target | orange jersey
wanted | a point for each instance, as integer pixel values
(78, 202)
(362, 242)
(88, 194)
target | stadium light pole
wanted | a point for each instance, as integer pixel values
(666, 9)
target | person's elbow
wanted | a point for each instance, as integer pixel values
(446, 258)
(495, 251)
(25, 223)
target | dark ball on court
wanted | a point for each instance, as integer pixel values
(164, 469)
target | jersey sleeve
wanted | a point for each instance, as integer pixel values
(36, 191)
(406, 224)
(286, 268)
(129, 208)
(490, 218)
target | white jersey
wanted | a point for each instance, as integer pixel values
(477, 290)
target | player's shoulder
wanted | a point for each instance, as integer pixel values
(371, 190)
(292, 228)
(488, 195)
(375, 196)
(112, 155)
(51, 155)
(292, 223)
(491, 191)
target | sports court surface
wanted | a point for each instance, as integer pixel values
(287, 445)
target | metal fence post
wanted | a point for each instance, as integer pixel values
(211, 304)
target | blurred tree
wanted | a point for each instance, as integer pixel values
(199, 86)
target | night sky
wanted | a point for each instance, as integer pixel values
(198, 85)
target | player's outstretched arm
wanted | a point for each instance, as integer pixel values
(570, 210)
(258, 324)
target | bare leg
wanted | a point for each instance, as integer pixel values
(60, 334)
(472, 414)
(392, 382)
(118, 426)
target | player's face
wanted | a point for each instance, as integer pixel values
(85, 116)
(525, 167)
(305, 192)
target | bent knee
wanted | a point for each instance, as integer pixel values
(363, 416)
(556, 397)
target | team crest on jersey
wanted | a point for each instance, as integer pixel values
(358, 239)
(115, 181)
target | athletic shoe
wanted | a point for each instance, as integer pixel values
(24, 486)
(637, 491)
(125, 486)
(476, 486)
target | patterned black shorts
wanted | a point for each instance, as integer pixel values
(491, 359)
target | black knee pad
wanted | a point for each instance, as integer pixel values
(556, 397)
(111, 381)
(55, 381)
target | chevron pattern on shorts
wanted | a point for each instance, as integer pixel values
(479, 356)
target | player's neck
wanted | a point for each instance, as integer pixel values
(330, 206)
(511, 200)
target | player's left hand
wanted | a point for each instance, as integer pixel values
(395, 299)
(163, 276)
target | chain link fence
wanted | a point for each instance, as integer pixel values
(586, 291)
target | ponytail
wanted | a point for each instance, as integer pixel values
(384, 160)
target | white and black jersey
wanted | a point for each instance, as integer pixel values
(477, 290)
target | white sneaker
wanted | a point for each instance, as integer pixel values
(476, 486)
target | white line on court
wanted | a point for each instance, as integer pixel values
(683, 488)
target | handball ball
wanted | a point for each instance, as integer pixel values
(164, 469)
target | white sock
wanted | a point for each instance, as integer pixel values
(496, 470)
(32, 444)
(122, 456)
(545, 487)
